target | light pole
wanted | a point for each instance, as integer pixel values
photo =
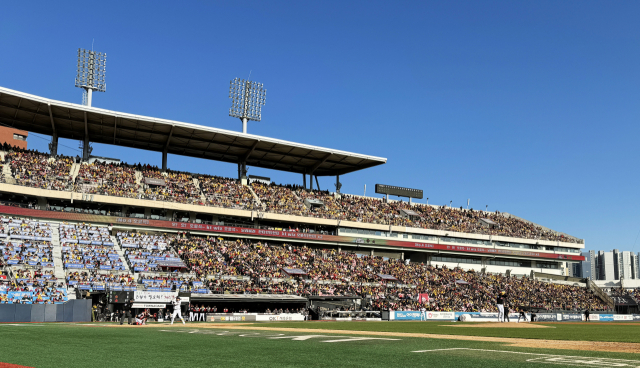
(92, 67)
(247, 99)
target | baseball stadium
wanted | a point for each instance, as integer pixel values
(119, 262)
(107, 263)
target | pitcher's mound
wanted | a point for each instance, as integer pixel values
(500, 325)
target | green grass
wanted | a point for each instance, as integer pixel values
(614, 332)
(75, 345)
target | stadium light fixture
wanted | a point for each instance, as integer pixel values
(92, 67)
(247, 99)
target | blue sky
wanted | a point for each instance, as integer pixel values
(530, 107)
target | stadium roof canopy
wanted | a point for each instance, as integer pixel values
(40, 115)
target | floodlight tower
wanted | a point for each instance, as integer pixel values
(247, 99)
(92, 67)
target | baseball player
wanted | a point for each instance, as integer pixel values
(500, 303)
(423, 314)
(522, 315)
(202, 314)
(176, 310)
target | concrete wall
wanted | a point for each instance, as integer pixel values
(71, 311)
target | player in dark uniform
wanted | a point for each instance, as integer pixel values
(126, 311)
(522, 315)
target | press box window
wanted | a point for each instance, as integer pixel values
(19, 137)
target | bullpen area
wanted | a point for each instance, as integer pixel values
(321, 344)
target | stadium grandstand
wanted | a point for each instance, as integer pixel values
(78, 227)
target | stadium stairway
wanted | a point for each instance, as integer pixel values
(6, 173)
(139, 181)
(120, 251)
(75, 170)
(196, 182)
(57, 254)
(255, 196)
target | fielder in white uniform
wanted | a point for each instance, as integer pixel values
(500, 303)
(176, 310)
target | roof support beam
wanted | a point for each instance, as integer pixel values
(115, 128)
(317, 165)
(53, 146)
(253, 147)
(166, 145)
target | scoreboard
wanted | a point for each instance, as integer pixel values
(120, 297)
(398, 191)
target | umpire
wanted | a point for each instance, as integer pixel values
(126, 311)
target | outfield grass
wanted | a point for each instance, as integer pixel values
(76, 345)
(614, 332)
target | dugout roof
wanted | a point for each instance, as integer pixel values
(41, 115)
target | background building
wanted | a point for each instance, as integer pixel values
(14, 137)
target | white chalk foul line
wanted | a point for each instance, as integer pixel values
(557, 359)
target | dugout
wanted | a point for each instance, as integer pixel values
(252, 303)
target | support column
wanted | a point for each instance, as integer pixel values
(338, 185)
(317, 184)
(304, 180)
(53, 146)
(242, 172)
(311, 181)
(244, 125)
(164, 160)
(85, 148)
(89, 93)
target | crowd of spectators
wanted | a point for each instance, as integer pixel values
(111, 179)
(33, 286)
(260, 267)
(34, 169)
(167, 283)
(226, 193)
(279, 199)
(170, 186)
(142, 240)
(34, 253)
(97, 280)
(90, 247)
(26, 242)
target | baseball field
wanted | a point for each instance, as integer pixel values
(321, 344)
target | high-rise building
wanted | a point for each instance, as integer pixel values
(610, 266)
(587, 268)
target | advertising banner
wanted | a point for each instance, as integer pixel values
(623, 317)
(407, 316)
(606, 317)
(251, 317)
(188, 226)
(572, 317)
(149, 305)
(450, 316)
(546, 317)
(279, 317)
(229, 317)
(156, 297)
